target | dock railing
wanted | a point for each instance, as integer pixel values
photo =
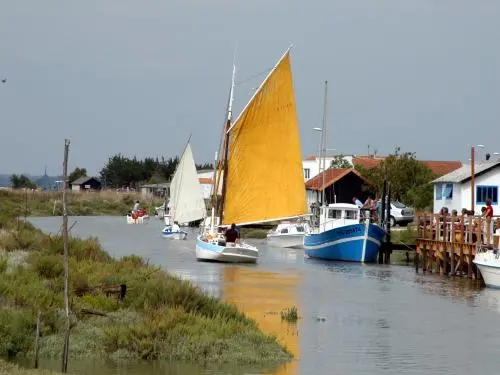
(449, 242)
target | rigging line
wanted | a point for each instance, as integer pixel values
(253, 76)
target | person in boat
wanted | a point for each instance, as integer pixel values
(175, 227)
(232, 235)
(136, 207)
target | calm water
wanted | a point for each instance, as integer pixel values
(356, 319)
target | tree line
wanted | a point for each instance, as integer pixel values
(121, 171)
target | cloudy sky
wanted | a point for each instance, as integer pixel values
(138, 77)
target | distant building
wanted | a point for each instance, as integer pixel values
(158, 190)
(340, 185)
(85, 184)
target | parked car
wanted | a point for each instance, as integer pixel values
(400, 213)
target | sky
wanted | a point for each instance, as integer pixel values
(138, 77)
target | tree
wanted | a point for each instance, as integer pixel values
(410, 180)
(22, 181)
(339, 162)
(77, 173)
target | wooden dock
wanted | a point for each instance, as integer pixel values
(447, 244)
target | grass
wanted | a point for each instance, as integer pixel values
(406, 236)
(290, 314)
(41, 203)
(161, 316)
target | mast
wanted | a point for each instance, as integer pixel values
(226, 143)
(323, 145)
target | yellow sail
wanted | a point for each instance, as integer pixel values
(265, 179)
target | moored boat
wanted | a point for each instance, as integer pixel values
(487, 261)
(139, 217)
(289, 234)
(343, 236)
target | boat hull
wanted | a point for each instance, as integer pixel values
(488, 264)
(181, 235)
(227, 254)
(293, 240)
(139, 220)
(346, 243)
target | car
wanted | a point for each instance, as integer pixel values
(400, 213)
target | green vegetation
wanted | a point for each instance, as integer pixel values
(7, 368)
(403, 257)
(160, 316)
(410, 179)
(290, 314)
(77, 173)
(407, 236)
(40, 203)
(21, 181)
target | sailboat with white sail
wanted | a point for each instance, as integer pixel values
(259, 167)
(186, 198)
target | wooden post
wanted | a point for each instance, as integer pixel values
(383, 219)
(388, 244)
(64, 366)
(37, 338)
(452, 247)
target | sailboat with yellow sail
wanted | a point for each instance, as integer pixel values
(259, 167)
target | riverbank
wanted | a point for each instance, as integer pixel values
(42, 203)
(121, 309)
(7, 368)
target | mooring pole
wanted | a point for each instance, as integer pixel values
(388, 245)
(382, 222)
(64, 367)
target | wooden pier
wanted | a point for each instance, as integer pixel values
(447, 244)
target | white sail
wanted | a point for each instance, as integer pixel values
(186, 198)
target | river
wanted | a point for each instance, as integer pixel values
(355, 319)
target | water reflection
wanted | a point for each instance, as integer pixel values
(262, 295)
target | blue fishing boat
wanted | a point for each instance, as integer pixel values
(343, 236)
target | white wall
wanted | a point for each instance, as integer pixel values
(314, 165)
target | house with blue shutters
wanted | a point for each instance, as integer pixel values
(453, 190)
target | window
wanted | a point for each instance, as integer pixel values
(334, 214)
(448, 191)
(353, 215)
(307, 173)
(439, 192)
(485, 192)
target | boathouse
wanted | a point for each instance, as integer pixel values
(340, 185)
(453, 190)
(85, 184)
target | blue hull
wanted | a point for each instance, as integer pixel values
(345, 243)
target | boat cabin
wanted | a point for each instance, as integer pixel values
(337, 215)
(287, 227)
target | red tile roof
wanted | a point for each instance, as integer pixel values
(311, 157)
(332, 175)
(205, 180)
(438, 167)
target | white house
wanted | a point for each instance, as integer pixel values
(205, 177)
(312, 165)
(453, 190)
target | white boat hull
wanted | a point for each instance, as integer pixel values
(230, 253)
(140, 220)
(181, 235)
(290, 240)
(488, 263)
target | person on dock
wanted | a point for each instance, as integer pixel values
(357, 202)
(232, 235)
